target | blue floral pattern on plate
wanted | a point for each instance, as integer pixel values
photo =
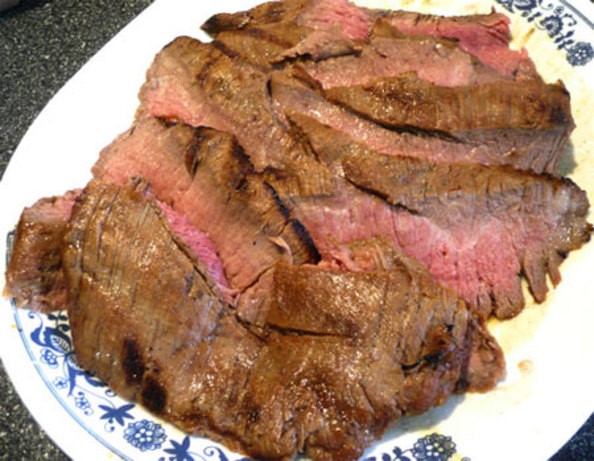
(432, 447)
(559, 21)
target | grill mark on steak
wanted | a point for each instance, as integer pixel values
(132, 362)
(205, 140)
(153, 395)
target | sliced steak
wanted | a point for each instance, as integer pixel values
(321, 44)
(300, 101)
(325, 385)
(486, 36)
(268, 45)
(198, 84)
(204, 175)
(130, 281)
(353, 21)
(263, 45)
(436, 60)
(262, 14)
(449, 218)
(347, 395)
(529, 120)
(34, 277)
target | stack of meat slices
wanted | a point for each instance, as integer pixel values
(300, 238)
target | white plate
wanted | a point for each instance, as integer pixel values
(549, 391)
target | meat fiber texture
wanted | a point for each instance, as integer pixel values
(291, 246)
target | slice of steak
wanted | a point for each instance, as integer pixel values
(198, 84)
(485, 365)
(34, 276)
(486, 36)
(321, 44)
(394, 345)
(528, 119)
(449, 217)
(203, 174)
(353, 21)
(438, 61)
(263, 45)
(299, 101)
(268, 45)
(136, 297)
(262, 14)
(324, 385)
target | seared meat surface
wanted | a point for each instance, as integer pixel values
(341, 356)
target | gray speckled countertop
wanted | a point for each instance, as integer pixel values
(42, 44)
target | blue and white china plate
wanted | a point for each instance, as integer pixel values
(549, 391)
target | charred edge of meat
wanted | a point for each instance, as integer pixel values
(297, 225)
(198, 145)
(286, 61)
(276, 115)
(224, 21)
(285, 211)
(303, 233)
(223, 48)
(288, 331)
(153, 395)
(301, 75)
(203, 74)
(384, 197)
(165, 122)
(299, 134)
(132, 362)
(441, 344)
